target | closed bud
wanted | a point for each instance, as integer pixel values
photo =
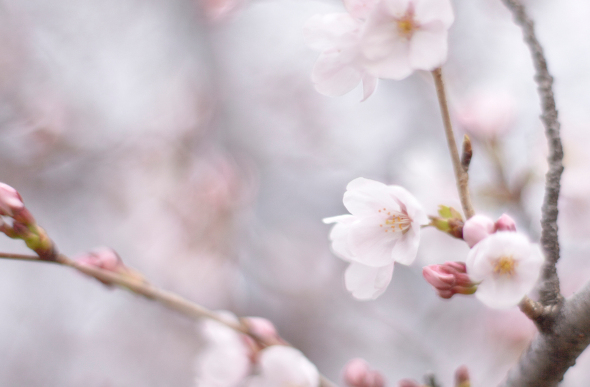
(477, 228)
(449, 279)
(462, 377)
(10, 200)
(505, 223)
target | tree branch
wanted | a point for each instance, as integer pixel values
(549, 286)
(461, 175)
(168, 299)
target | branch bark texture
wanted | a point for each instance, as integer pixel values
(549, 289)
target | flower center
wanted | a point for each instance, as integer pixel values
(505, 266)
(395, 221)
(406, 25)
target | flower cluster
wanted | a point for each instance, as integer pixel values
(232, 359)
(377, 39)
(383, 228)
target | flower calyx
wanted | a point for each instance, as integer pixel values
(449, 221)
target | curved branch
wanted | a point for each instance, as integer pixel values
(549, 287)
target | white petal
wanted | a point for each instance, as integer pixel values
(335, 73)
(369, 86)
(391, 58)
(428, 47)
(366, 282)
(336, 30)
(339, 238)
(406, 247)
(429, 10)
(396, 8)
(339, 219)
(501, 294)
(371, 244)
(285, 366)
(359, 8)
(365, 197)
(409, 202)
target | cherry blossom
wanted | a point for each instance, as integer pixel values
(487, 115)
(357, 373)
(449, 279)
(339, 68)
(401, 36)
(10, 200)
(283, 366)
(506, 266)
(383, 228)
(226, 360)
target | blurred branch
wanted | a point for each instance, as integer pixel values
(143, 288)
(549, 287)
(461, 175)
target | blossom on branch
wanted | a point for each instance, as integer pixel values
(449, 279)
(506, 266)
(283, 366)
(339, 68)
(357, 373)
(478, 227)
(383, 227)
(401, 36)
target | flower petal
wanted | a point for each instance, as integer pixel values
(335, 30)
(359, 8)
(365, 197)
(339, 238)
(428, 46)
(335, 73)
(366, 282)
(410, 204)
(406, 247)
(369, 86)
(429, 10)
(371, 244)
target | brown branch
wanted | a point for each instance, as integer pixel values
(461, 175)
(549, 286)
(143, 288)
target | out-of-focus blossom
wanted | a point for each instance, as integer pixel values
(383, 228)
(409, 383)
(401, 36)
(462, 377)
(479, 227)
(282, 366)
(486, 115)
(103, 258)
(359, 9)
(226, 361)
(219, 10)
(506, 266)
(358, 374)
(339, 68)
(449, 279)
(264, 329)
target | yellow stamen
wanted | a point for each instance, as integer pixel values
(505, 266)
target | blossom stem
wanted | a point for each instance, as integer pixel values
(461, 175)
(143, 288)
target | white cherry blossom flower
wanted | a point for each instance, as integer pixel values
(401, 36)
(282, 366)
(339, 68)
(226, 360)
(507, 265)
(383, 228)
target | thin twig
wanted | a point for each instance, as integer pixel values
(143, 288)
(549, 288)
(461, 175)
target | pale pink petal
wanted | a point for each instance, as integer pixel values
(359, 8)
(477, 228)
(395, 8)
(339, 238)
(406, 248)
(335, 30)
(371, 244)
(391, 59)
(412, 207)
(334, 73)
(284, 366)
(429, 10)
(500, 294)
(367, 283)
(338, 219)
(369, 86)
(428, 47)
(365, 197)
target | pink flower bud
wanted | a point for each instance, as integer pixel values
(263, 329)
(449, 279)
(358, 374)
(10, 200)
(462, 377)
(505, 223)
(477, 228)
(104, 258)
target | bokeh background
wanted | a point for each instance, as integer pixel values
(188, 136)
